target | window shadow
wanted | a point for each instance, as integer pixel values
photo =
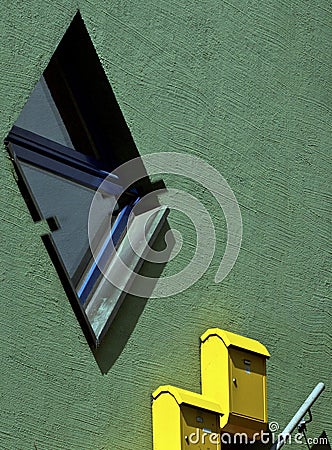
(130, 310)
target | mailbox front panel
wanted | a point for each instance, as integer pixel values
(247, 372)
(199, 429)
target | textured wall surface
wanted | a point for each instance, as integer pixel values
(247, 87)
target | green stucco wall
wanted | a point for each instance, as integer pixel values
(247, 87)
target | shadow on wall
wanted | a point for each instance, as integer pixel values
(130, 311)
(322, 442)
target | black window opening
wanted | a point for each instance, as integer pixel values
(68, 138)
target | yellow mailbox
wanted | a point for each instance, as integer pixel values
(184, 420)
(233, 373)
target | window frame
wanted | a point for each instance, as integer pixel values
(27, 147)
(93, 119)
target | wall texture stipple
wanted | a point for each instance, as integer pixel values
(246, 86)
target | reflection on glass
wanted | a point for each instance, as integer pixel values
(120, 267)
(70, 202)
(41, 116)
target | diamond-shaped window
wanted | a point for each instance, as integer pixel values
(69, 136)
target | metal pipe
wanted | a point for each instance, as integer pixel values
(298, 416)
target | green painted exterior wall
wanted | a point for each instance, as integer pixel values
(247, 87)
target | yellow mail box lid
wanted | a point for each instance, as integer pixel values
(235, 340)
(189, 398)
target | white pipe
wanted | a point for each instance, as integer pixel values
(298, 416)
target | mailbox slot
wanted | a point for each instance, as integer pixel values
(199, 429)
